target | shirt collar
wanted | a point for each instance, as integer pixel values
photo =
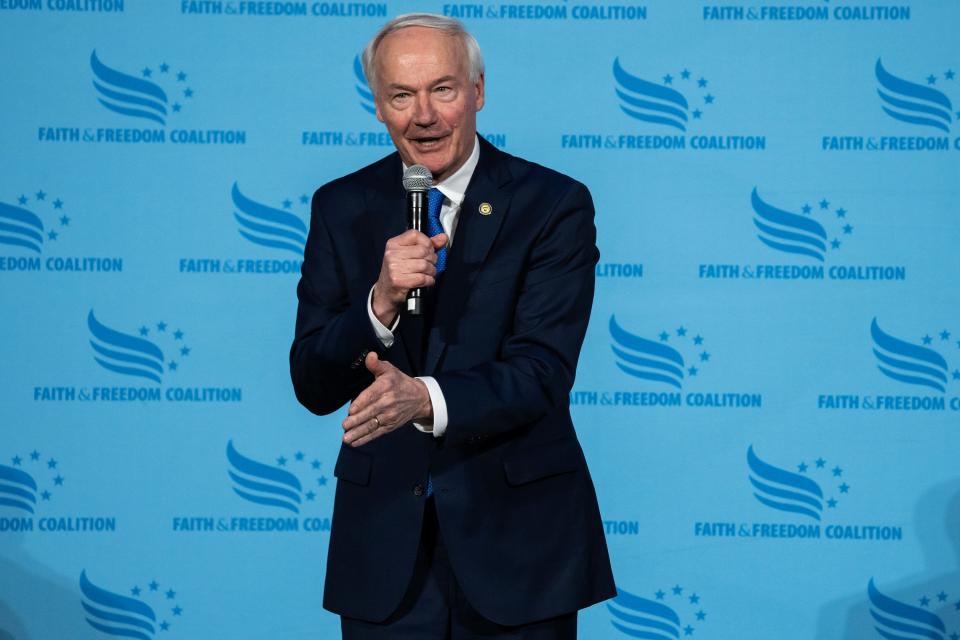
(454, 188)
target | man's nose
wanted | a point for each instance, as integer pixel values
(424, 114)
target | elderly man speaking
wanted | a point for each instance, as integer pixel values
(464, 507)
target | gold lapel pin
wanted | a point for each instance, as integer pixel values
(486, 209)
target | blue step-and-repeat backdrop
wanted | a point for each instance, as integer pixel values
(769, 391)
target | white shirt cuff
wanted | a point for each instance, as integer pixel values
(439, 426)
(385, 334)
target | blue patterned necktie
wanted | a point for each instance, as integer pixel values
(434, 202)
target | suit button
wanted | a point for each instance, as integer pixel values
(418, 490)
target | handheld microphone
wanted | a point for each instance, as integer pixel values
(417, 181)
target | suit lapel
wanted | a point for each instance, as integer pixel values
(476, 231)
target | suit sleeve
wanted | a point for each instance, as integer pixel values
(333, 331)
(534, 372)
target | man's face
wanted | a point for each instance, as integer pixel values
(425, 97)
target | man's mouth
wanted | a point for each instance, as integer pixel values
(427, 143)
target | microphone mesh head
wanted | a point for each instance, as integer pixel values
(417, 178)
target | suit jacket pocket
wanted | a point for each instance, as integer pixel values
(542, 461)
(353, 466)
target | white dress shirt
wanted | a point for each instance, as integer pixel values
(453, 189)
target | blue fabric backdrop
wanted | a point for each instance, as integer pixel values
(769, 389)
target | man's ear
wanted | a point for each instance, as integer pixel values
(479, 89)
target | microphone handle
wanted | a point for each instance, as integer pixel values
(416, 215)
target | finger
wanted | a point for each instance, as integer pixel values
(409, 237)
(367, 438)
(439, 241)
(374, 406)
(369, 428)
(372, 362)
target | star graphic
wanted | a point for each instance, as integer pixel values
(701, 615)
(45, 495)
(831, 503)
(147, 72)
(708, 99)
(701, 83)
(310, 495)
(942, 596)
(659, 594)
(802, 467)
(178, 335)
(304, 199)
(837, 472)
(22, 199)
(824, 204)
(948, 74)
(664, 336)
(944, 335)
(58, 480)
(841, 213)
(299, 456)
(181, 76)
(287, 203)
(931, 79)
(51, 464)
(144, 331)
(176, 107)
(924, 601)
(64, 221)
(844, 488)
(807, 208)
(682, 331)
(172, 365)
(164, 67)
(161, 326)
(848, 229)
(315, 464)
(171, 594)
(177, 610)
(685, 74)
(677, 590)
(135, 591)
(957, 605)
(34, 455)
(184, 351)
(956, 374)
(694, 599)
(696, 114)
(668, 79)
(41, 195)
(58, 204)
(692, 371)
(153, 585)
(53, 235)
(164, 626)
(688, 630)
(281, 461)
(704, 357)
(927, 339)
(17, 460)
(188, 93)
(835, 243)
(698, 340)
(322, 481)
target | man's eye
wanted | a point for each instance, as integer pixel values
(443, 89)
(401, 96)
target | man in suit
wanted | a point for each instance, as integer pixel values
(464, 507)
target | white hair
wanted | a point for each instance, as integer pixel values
(431, 21)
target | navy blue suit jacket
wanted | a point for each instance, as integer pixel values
(516, 505)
